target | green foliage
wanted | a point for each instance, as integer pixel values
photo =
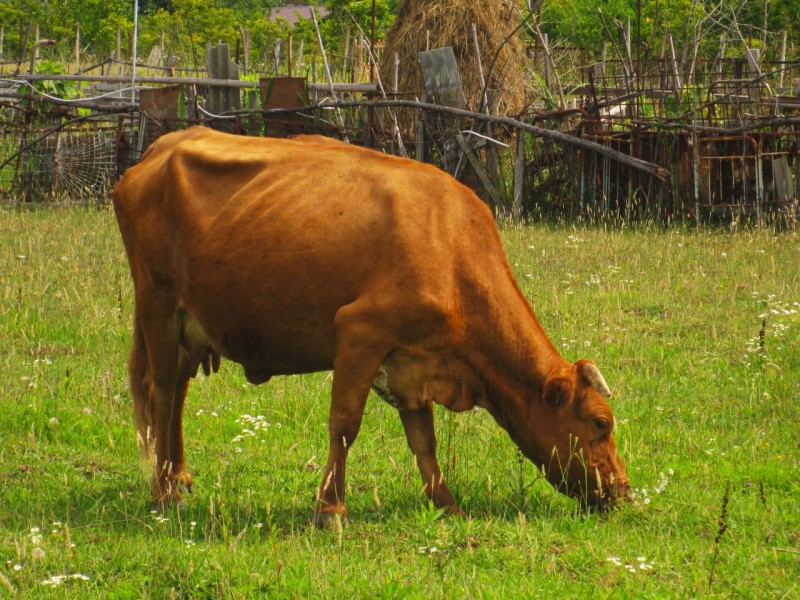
(578, 22)
(355, 14)
(189, 24)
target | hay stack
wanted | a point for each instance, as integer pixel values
(449, 23)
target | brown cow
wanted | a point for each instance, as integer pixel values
(293, 256)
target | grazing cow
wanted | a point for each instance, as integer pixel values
(301, 255)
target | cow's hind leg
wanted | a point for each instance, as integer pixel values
(180, 475)
(154, 370)
(418, 425)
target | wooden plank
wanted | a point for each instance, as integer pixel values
(487, 183)
(519, 177)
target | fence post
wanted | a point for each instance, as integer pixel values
(421, 138)
(118, 50)
(77, 50)
(220, 100)
(519, 177)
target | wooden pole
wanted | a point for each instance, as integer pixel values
(118, 49)
(519, 177)
(327, 68)
(780, 73)
(484, 100)
(721, 56)
(372, 46)
(347, 58)
(420, 139)
(396, 82)
(289, 56)
(77, 50)
(549, 63)
(34, 49)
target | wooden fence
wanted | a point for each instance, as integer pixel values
(618, 148)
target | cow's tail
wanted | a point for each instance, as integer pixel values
(137, 371)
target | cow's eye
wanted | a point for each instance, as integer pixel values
(602, 425)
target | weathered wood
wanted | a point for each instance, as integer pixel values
(519, 177)
(345, 88)
(485, 180)
(781, 61)
(222, 100)
(636, 163)
(420, 140)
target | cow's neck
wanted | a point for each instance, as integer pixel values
(512, 355)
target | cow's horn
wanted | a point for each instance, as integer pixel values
(595, 378)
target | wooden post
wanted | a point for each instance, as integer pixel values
(118, 49)
(299, 62)
(603, 58)
(34, 49)
(676, 78)
(246, 49)
(484, 99)
(396, 80)
(721, 56)
(77, 49)
(23, 46)
(546, 63)
(314, 72)
(519, 177)
(549, 64)
(372, 45)
(780, 73)
(421, 138)
(347, 58)
(753, 72)
(288, 56)
(2, 39)
(327, 69)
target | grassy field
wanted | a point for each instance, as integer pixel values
(696, 331)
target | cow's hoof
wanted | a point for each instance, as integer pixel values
(330, 520)
(183, 481)
(161, 506)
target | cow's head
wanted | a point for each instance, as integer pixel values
(569, 432)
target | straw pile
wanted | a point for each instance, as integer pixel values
(430, 24)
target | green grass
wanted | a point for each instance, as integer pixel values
(706, 417)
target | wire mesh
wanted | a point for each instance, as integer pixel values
(66, 166)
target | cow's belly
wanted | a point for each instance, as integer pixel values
(262, 347)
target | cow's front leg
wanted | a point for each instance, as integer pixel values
(354, 368)
(344, 428)
(418, 425)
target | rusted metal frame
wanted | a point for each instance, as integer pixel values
(53, 130)
(755, 157)
(780, 185)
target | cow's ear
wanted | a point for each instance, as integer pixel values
(558, 391)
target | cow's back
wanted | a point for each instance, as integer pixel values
(263, 241)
